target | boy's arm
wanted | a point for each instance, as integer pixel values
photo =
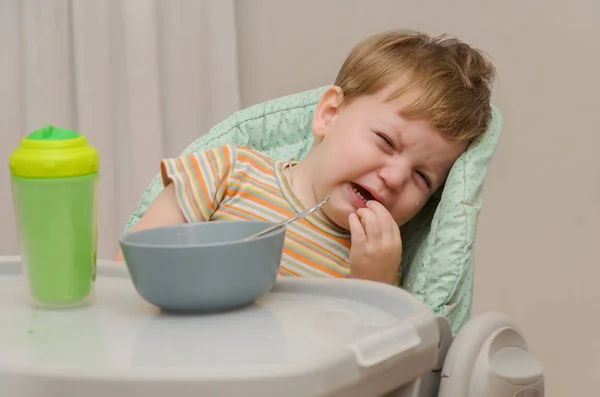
(164, 211)
(195, 185)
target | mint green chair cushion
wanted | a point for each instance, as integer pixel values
(438, 243)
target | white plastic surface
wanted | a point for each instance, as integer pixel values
(306, 338)
(489, 357)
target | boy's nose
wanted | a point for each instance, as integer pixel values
(394, 176)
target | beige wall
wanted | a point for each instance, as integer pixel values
(537, 255)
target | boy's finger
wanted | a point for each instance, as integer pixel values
(357, 233)
(388, 224)
(371, 223)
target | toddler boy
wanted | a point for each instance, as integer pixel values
(403, 107)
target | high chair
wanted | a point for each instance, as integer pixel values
(484, 356)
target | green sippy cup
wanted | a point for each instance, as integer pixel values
(54, 180)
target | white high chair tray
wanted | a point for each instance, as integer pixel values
(306, 337)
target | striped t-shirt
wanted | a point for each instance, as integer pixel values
(230, 183)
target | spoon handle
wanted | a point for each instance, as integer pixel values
(289, 220)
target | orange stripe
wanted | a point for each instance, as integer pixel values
(287, 269)
(249, 215)
(186, 187)
(302, 241)
(262, 201)
(315, 265)
(309, 262)
(226, 158)
(212, 158)
(242, 177)
(259, 165)
(308, 226)
(255, 195)
(196, 176)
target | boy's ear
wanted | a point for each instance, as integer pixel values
(326, 109)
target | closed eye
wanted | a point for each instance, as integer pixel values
(386, 139)
(425, 178)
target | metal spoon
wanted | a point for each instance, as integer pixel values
(289, 220)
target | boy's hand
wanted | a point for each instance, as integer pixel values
(376, 244)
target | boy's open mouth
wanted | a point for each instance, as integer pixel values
(362, 193)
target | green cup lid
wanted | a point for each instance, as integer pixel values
(51, 152)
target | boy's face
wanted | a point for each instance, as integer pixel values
(365, 150)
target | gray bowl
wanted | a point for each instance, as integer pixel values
(198, 267)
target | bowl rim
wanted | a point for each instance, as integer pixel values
(125, 239)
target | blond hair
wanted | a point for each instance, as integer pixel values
(452, 81)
